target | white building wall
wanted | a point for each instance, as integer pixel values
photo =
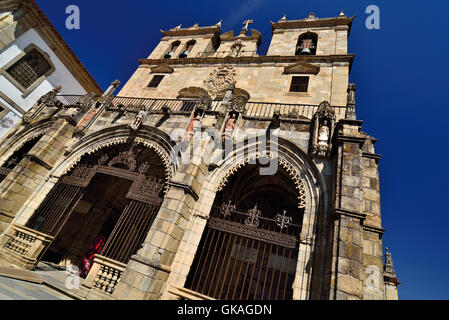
(61, 76)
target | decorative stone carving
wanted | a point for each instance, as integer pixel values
(220, 79)
(236, 48)
(84, 102)
(323, 134)
(162, 68)
(350, 113)
(389, 272)
(194, 125)
(50, 97)
(229, 127)
(205, 102)
(139, 118)
(128, 158)
(324, 123)
(294, 174)
(302, 68)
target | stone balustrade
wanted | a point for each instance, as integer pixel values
(23, 246)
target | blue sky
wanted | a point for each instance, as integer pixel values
(401, 75)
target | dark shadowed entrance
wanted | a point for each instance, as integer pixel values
(103, 207)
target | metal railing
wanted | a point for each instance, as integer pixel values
(225, 54)
(253, 108)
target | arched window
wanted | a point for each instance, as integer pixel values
(189, 47)
(249, 249)
(173, 48)
(28, 69)
(307, 44)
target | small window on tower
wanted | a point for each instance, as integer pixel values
(299, 84)
(155, 81)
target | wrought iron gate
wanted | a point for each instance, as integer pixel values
(244, 255)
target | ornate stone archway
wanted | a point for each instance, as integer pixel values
(71, 176)
(311, 194)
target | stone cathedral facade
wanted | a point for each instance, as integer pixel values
(215, 173)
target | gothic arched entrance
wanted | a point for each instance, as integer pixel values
(103, 207)
(249, 249)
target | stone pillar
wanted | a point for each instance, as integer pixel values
(347, 259)
(373, 288)
(32, 169)
(147, 272)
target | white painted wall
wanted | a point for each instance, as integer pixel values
(61, 76)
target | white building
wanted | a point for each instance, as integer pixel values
(34, 59)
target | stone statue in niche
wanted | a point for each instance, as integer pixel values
(139, 118)
(323, 130)
(194, 125)
(230, 126)
(323, 134)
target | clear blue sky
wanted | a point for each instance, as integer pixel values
(401, 72)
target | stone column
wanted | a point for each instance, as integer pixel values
(147, 272)
(347, 264)
(32, 169)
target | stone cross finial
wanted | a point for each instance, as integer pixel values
(245, 25)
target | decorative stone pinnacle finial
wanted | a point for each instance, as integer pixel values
(178, 27)
(219, 23)
(342, 14)
(311, 16)
(284, 17)
(115, 83)
(388, 267)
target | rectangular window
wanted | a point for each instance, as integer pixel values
(155, 81)
(29, 68)
(299, 84)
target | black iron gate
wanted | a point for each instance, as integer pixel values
(243, 255)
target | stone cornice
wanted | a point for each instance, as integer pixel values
(371, 156)
(318, 23)
(349, 58)
(350, 139)
(187, 189)
(214, 30)
(352, 214)
(378, 230)
(37, 160)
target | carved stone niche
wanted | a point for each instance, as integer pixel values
(323, 129)
(196, 93)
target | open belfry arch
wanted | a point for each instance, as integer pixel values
(215, 173)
